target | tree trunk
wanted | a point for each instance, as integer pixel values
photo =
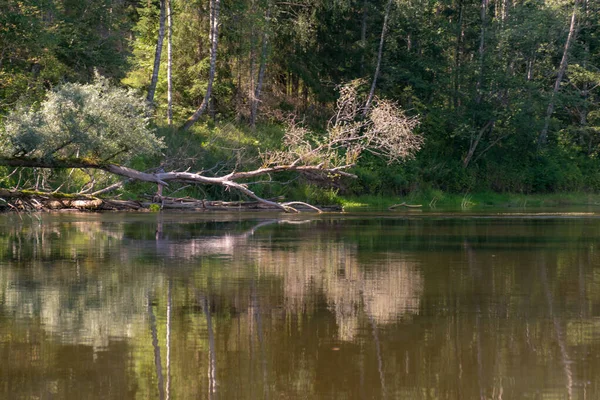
(363, 35)
(261, 70)
(157, 54)
(479, 87)
(475, 143)
(214, 40)
(457, 54)
(379, 55)
(169, 62)
(543, 138)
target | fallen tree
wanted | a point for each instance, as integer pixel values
(229, 181)
(85, 126)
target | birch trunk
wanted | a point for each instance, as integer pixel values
(379, 55)
(363, 35)
(214, 40)
(169, 62)
(261, 71)
(543, 138)
(157, 54)
(457, 54)
(479, 88)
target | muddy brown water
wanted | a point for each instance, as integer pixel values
(262, 306)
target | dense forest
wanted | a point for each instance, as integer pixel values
(506, 93)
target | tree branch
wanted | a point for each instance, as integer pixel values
(227, 181)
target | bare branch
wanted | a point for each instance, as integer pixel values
(386, 131)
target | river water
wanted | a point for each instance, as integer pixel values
(253, 306)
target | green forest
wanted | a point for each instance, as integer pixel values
(449, 96)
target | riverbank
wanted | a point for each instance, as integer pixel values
(430, 200)
(436, 199)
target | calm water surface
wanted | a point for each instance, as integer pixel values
(186, 306)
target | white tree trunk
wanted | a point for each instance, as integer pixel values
(379, 55)
(157, 54)
(543, 138)
(169, 62)
(214, 40)
(363, 35)
(479, 87)
(261, 70)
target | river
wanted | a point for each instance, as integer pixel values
(268, 306)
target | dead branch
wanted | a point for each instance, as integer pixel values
(404, 205)
(289, 203)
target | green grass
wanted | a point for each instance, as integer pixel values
(437, 200)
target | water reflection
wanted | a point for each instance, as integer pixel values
(176, 306)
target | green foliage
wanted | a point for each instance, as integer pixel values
(97, 121)
(431, 66)
(44, 43)
(314, 194)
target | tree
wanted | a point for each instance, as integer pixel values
(44, 43)
(169, 62)
(379, 56)
(158, 52)
(261, 70)
(562, 68)
(215, 6)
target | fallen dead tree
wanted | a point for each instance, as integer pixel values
(28, 200)
(229, 181)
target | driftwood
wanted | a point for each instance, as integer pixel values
(188, 203)
(404, 205)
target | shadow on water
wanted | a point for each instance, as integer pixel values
(184, 306)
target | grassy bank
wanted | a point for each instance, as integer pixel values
(436, 199)
(219, 148)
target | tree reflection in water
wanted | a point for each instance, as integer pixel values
(161, 306)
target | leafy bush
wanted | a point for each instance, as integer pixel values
(96, 121)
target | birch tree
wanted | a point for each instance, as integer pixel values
(215, 6)
(158, 53)
(169, 62)
(379, 56)
(261, 68)
(562, 68)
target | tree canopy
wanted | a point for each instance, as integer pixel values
(506, 92)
